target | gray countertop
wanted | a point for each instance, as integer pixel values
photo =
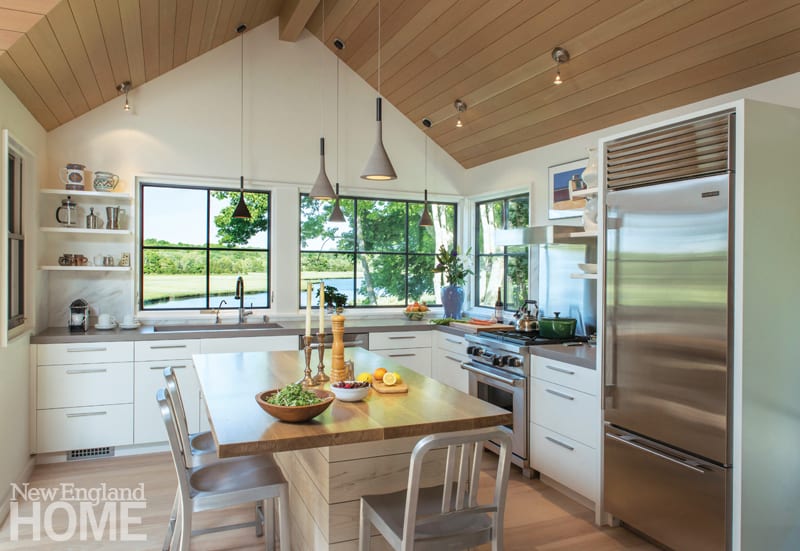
(584, 355)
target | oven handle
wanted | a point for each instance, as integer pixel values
(512, 382)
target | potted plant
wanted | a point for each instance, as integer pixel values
(334, 299)
(452, 268)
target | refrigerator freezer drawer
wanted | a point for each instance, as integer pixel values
(675, 499)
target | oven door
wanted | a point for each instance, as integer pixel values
(507, 391)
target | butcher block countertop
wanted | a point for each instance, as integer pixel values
(230, 382)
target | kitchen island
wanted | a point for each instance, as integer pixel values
(349, 450)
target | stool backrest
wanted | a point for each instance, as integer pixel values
(177, 448)
(179, 413)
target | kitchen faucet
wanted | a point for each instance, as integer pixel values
(223, 301)
(240, 297)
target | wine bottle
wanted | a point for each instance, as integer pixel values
(498, 306)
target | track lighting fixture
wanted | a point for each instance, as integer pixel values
(124, 88)
(460, 108)
(560, 55)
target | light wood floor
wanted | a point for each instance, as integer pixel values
(537, 516)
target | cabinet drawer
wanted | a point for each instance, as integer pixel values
(446, 368)
(84, 353)
(249, 344)
(562, 373)
(456, 344)
(63, 386)
(418, 359)
(166, 350)
(89, 427)
(565, 461)
(147, 423)
(566, 411)
(399, 340)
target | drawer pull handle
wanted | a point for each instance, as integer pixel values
(79, 371)
(87, 414)
(454, 341)
(559, 443)
(559, 394)
(154, 367)
(560, 369)
(87, 349)
(165, 346)
(402, 338)
(400, 355)
(452, 358)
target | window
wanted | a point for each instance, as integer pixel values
(16, 242)
(380, 256)
(192, 249)
(500, 267)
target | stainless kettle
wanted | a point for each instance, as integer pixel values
(527, 321)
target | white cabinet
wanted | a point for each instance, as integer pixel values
(151, 359)
(249, 344)
(411, 349)
(84, 396)
(448, 352)
(565, 425)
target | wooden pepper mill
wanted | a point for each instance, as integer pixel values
(338, 372)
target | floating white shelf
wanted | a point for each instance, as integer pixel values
(585, 192)
(583, 234)
(87, 268)
(61, 229)
(77, 193)
(583, 276)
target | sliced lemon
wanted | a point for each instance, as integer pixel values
(391, 379)
(364, 378)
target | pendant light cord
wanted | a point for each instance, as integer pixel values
(379, 47)
(338, 134)
(322, 81)
(241, 116)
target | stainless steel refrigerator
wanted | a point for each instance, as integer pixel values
(667, 398)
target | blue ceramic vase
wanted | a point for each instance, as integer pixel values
(453, 301)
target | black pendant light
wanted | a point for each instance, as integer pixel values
(379, 166)
(425, 219)
(241, 210)
(337, 216)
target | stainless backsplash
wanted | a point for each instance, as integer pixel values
(558, 292)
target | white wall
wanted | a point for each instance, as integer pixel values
(186, 123)
(14, 379)
(529, 169)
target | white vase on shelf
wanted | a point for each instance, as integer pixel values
(589, 175)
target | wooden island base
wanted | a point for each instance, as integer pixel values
(327, 483)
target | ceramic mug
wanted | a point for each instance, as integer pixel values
(128, 319)
(105, 181)
(80, 260)
(72, 176)
(103, 260)
(66, 259)
(104, 320)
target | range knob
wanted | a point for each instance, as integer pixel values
(513, 361)
(474, 350)
(499, 361)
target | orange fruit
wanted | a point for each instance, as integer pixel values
(379, 373)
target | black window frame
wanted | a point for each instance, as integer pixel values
(507, 305)
(207, 248)
(355, 252)
(16, 293)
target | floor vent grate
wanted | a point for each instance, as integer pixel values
(90, 453)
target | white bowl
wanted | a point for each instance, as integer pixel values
(588, 268)
(350, 394)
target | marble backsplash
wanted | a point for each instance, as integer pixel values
(106, 292)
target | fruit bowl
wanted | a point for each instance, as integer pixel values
(350, 391)
(415, 316)
(295, 414)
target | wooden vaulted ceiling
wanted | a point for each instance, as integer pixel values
(629, 58)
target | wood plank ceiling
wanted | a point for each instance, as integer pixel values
(629, 58)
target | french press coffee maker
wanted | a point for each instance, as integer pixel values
(79, 316)
(69, 210)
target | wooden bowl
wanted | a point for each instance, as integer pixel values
(295, 414)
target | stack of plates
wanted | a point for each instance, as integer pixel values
(588, 268)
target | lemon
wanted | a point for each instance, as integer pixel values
(364, 378)
(391, 379)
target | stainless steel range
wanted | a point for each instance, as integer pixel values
(499, 370)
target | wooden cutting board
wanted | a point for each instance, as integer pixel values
(475, 328)
(399, 388)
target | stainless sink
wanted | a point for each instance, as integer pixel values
(194, 327)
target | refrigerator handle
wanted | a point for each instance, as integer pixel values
(629, 441)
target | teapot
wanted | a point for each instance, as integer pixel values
(527, 321)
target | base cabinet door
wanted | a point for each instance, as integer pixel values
(565, 460)
(148, 426)
(84, 427)
(411, 349)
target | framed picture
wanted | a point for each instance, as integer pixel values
(559, 176)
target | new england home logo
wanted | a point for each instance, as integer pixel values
(71, 513)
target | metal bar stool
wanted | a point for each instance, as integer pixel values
(447, 516)
(222, 484)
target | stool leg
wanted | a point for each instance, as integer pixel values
(260, 519)
(186, 526)
(171, 525)
(269, 523)
(363, 530)
(283, 511)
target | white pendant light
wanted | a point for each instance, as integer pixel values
(425, 219)
(241, 210)
(379, 166)
(322, 188)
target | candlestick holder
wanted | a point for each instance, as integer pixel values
(320, 377)
(307, 379)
